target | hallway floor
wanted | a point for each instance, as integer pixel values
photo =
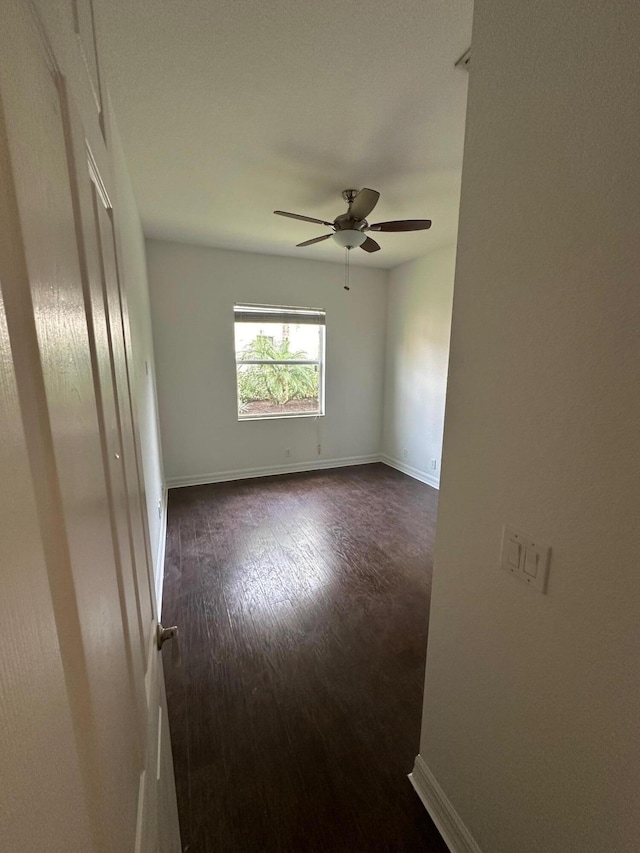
(303, 604)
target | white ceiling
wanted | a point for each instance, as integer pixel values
(229, 109)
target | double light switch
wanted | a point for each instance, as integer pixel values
(525, 557)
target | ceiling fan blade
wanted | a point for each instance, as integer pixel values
(364, 203)
(303, 218)
(315, 240)
(370, 245)
(401, 225)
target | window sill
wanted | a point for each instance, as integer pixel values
(288, 417)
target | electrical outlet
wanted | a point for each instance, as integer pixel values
(159, 507)
(434, 464)
(405, 453)
(287, 453)
(319, 449)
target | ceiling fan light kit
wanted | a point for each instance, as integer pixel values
(349, 229)
(349, 238)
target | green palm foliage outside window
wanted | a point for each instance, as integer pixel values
(278, 383)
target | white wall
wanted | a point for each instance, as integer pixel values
(532, 701)
(134, 274)
(418, 325)
(193, 290)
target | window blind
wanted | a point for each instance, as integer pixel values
(278, 314)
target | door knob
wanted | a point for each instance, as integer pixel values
(164, 634)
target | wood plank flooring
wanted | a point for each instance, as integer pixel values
(303, 604)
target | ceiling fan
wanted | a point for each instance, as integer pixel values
(349, 229)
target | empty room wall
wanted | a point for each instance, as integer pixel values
(532, 701)
(193, 291)
(418, 326)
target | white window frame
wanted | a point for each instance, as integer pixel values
(293, 316)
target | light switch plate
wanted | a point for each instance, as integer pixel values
(525, 557)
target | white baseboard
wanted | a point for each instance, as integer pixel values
(416, 473)
(449, 823)
(158, 569)
(271, 470)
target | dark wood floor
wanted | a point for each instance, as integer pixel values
(303, 605)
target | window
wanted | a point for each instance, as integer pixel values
(279, 361)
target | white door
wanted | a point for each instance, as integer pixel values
(81, 693)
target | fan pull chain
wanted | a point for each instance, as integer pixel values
(346, 269)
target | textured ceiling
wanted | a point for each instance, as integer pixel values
(233, 108)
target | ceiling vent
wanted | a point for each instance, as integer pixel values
(464, 60)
